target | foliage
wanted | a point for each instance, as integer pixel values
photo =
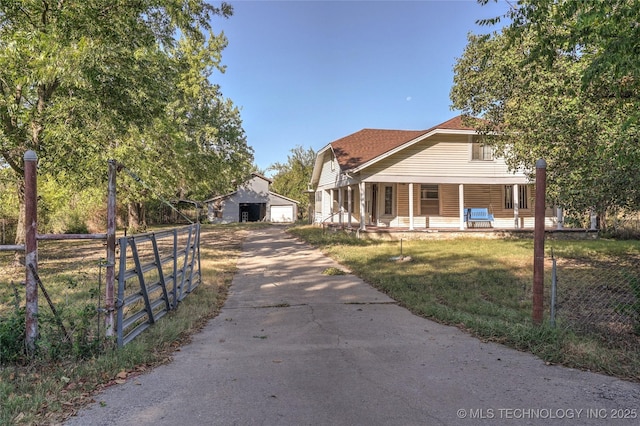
(539, 98)
(84, 81)
(292, 178)
(604, 33)
(633, 309)
(12, 329)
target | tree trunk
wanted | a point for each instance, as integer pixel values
(136, 218)
(20, 235)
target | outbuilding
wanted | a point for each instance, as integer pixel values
(252, 202)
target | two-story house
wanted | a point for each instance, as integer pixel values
(419, 179)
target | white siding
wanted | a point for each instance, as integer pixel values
(330, 171)
(439, 157)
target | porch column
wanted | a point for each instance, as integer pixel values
(461, 204)
(411, 207)
(559, 217)
(516, 206)
(363, 208)
(349, 203)
(331, 201)
(340, 202)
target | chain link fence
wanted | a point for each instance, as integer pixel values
(600, 297)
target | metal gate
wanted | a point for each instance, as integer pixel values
(157, 270)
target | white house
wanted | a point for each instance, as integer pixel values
(252, 202)
(419, 179)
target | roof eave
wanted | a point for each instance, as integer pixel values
(283, 197)
(317, 166)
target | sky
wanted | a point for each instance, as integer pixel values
(306, 73)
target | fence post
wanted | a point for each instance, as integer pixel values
(538, 242)
(31, 248)
(111, 249)
(554, 289)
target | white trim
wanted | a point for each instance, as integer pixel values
(507, 180)
(410, 206)
(516, 204)
(461, 204)
(363, 207)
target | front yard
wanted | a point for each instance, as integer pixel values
(485, 287)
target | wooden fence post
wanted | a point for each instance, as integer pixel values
(111, 249)
(31, 248)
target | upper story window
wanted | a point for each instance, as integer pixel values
(481, 152)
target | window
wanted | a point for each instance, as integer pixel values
(345, 200)
(523, 197)
(318, 204)
(388, 200)
(481, 152)
(429, 200)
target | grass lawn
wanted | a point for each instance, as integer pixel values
(484, 286)
(481, 286)
(51, 387)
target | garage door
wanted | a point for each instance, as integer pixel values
(281, 213)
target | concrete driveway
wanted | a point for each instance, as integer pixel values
(295, 347)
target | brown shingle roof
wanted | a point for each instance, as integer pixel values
(358, 148)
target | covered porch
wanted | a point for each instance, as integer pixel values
(432, 205)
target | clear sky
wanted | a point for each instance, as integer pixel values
(310, 72)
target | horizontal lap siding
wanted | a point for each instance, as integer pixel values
(449, 200)
(402, 200)
(492, 198)
(329, 173)
(444, 156)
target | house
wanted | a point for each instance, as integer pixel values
(419, 179)
(252, 202)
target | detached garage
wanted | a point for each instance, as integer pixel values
(284, 214)
(252, 202)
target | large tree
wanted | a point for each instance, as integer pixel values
(85, 80)
(291, 179)
(545, 103)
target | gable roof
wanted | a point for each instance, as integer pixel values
(253, 175)
(368, 144)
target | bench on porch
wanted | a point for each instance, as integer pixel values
(477, 214)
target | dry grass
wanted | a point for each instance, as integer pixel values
(485, 288)
(44, 392)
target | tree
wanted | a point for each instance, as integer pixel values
(292, 178)
(86, 80)
(534, 108)
(605, 33)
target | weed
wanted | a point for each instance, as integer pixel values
(333, 271)
(631, 308)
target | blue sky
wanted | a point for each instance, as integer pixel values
(310, 72)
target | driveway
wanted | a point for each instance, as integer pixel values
(292, 346)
